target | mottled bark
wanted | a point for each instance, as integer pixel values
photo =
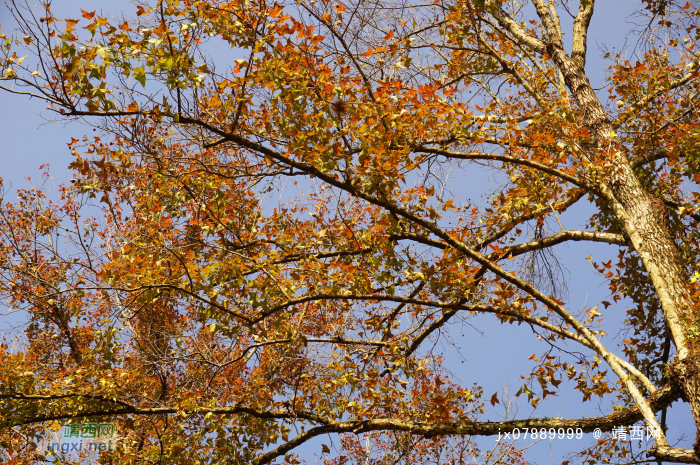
(643, 216)
(684, 374)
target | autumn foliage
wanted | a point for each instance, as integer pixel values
(266, 247)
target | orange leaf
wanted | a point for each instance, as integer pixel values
(87, 15)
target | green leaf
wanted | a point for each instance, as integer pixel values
(140, 75)
(104, 52)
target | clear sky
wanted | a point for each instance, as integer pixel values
(28, 142)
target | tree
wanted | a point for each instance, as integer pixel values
(194, 312)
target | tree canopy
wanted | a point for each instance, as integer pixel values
(265, 237)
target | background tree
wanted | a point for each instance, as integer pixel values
(202, 317)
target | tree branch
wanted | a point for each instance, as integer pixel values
(648, 157)
(508, 159)
(551, 23)
(517, 31)
(558, 238)
(673, 454)
(664, 397)
(580, 41)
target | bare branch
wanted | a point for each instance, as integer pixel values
(508, 159)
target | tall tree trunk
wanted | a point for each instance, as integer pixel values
(645, 219)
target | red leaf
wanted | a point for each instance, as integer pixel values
(494, 399)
